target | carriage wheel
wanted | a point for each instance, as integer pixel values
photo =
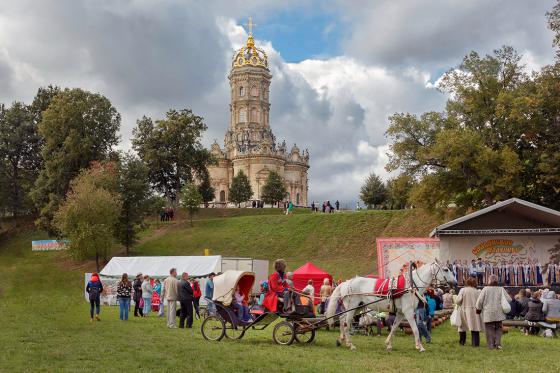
(213, 328)
(303, 335)
(233, 332)
(284, 333)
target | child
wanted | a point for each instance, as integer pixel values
(241, 305)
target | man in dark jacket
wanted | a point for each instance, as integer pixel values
(185, 295)
(137, 286)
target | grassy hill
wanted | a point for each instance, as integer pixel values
(342, 243)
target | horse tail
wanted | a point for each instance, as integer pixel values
(333, 302)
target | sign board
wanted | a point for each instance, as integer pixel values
(395, 254)
(49, 245)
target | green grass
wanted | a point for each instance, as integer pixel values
(342, 243)
(46, 327)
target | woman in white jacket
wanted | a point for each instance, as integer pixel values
(470, 320)
(489, 302)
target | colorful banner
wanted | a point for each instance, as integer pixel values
(395, 254)
(49, 245)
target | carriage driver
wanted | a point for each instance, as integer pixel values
(277, 286)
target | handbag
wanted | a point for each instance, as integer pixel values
(455, 318)
(506, 307)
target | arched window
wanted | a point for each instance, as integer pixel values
(222, 196)
(242, 115)
(297, 199)
(254, 115)
(254, 92)
(241, 91)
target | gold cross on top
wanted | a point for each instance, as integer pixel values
(250, 25)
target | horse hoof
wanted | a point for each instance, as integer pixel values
(352, 348)
(422, 350)
(337, 343)
(389, 348)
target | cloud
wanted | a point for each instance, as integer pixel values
(148, 56)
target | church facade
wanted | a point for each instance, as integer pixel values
(249, 144)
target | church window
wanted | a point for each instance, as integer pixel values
(242, 115)
(297, 199)
(254, 115)
(254, 92)
(241, 91)
(222, 196)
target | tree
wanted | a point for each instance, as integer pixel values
(191, 199)
(398, 189)
(19, 149)
(373, 192)
(78, 127)
(240, 189)
(172, 150)
(89, 215)
(206, 189)
(274, 189)
(135, 193)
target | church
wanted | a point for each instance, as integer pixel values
(249, 144)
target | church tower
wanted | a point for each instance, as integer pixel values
(249, 144)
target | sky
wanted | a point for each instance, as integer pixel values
(340, 69)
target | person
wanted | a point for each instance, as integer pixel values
(185, 297)
(337, 204)
(197, 293)
(147, 294)
(289, 279)
(209, 294)
(310, 291)
(523, 303)
(262, 295)
(169, 293)
(157, 290)
(325, 292)
(551, 308)
(470, 320)
(534, 312)
(290, 208)
(489, 303)
(124, 290)
(430, 308)
(515, 307)
(277, 286)
(421, 312)
(94, 288)
(137, 286)
(240, 305)
(448, 299)
(480, 272)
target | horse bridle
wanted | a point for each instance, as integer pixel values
(434, 280)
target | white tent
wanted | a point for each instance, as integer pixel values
(159, 266)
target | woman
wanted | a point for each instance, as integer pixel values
(551, 308)
(197, 293)
(277, 286)
(157, 290)
(309, 290)
(241, 306)
(470, 320)
(94, 288)
(448, 299)
(325, 292)
(124, 289)
(147, 293)
(534, 312)
(489, 302)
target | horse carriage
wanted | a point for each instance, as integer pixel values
(226, 323)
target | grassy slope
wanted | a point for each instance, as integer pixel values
(46, 328)
(342, 243)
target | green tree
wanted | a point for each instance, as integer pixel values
(206, 189)
(191, 199)
(398, 189)
(135, 194)
(19, 149)
(240, 189)
(274, 189)
(172, 150)
(78, 127)
(373, 192)
(90, 213)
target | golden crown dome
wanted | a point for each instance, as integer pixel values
(249, 55)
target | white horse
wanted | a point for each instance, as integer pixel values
(360, 290)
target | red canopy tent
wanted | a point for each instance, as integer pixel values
(308, 271)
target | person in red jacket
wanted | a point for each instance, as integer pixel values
(277, 286)
(197, 293)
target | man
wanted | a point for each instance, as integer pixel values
(209, 294)
(480, 272)
(337, 204)
(185, 291)
(169, 293)
(137, 286)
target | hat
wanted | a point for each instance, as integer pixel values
(139, 274)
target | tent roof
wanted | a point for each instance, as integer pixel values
(310, 269)
(511, 216)
(159, 266)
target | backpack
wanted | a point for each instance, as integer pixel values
(94, 291)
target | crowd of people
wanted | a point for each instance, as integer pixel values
(513, 273)
(326, 207)
(167, 214)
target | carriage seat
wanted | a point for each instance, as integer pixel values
(394, 287)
